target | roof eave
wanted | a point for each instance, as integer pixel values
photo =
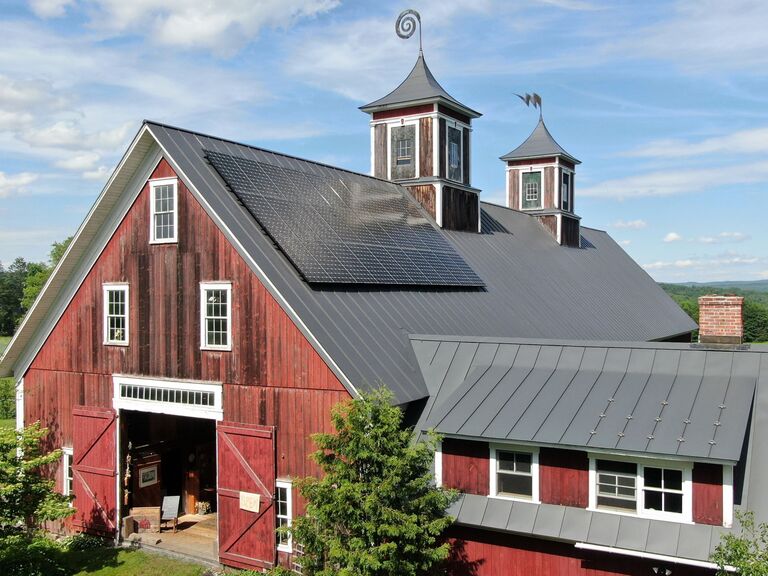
(510, 156)
(457, 106)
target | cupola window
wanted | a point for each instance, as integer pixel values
(531, 196)
(404, 151)
(403, 147)
(565, 191)
(454, 153)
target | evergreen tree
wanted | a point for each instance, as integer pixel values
(376, 510)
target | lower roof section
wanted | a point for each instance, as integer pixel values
(564, 523)
(646, 398)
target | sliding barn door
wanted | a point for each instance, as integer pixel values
(95, 471)
(246, 463)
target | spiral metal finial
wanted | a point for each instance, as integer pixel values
(406, 24)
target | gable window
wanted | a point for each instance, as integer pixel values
(404, 151)
(67, 472)
(654, 489)
(216, 315)
(116, 314)
(454, 154)
(565, 191)
(164, 208)
(284, 507)
(531, 190)
(514, 473)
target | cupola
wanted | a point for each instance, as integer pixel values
(540, 181)
(420, 138)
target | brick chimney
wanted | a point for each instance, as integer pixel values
(720, 320)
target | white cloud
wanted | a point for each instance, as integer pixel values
(16, 183)
(754, 141)
(70, 135)
(724, 237)
(100, 173)
(763, 274)
(79, 162)
(625, 242)
(703, 263)
(631, 224)
(224, 26)
(50, 8)
(718, 36)
(673, 182)
(672, 237)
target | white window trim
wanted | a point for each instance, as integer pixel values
(439, 465)
(289, 491)
(67, 460)
(727, 496)
(153, 184)
(210, 412)
(20, 404)
(203, 332)
(541, 191)
(570, 189)
(122, 287)
(534, 452)
(685, 467)
(460, 128)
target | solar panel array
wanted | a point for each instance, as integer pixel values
(340, 228)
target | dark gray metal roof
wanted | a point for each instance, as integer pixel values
(693, 542)
(534, 287)
(420, 86)
(539, 144)
(659, 398)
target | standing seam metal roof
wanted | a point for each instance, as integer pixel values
(661, 399)
(534, 287)
(538, 145)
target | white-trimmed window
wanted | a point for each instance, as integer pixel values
(654, 489)
(216, 315)
(454, 154)
(67, 472)
(164, 210)
(284, 508)
(116, 318)
(565, 191)
(514, 473)
(530, 190)
(404, 151)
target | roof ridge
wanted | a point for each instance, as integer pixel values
(262, 149)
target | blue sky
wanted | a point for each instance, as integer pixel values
(665, 103)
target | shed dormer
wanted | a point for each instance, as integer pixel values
(540, 181)
(420, 138)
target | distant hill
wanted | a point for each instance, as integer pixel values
(755, 295)
(756, 285)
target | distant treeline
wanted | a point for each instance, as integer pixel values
(755, 306)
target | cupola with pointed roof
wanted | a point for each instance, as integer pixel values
(420, 138)
(540, 181)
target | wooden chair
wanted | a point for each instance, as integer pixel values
(170, 511)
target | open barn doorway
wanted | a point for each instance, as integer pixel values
(168, 465)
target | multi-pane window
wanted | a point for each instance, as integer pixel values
(283, 505)
(616, 485)
(116, 314)
(515, 474)
(663, 490)
(216, 316)
(531, 190)
(404, 151)
(650, 489)
(454, 154)
(565, 191)
(164, 209)
(67, 472)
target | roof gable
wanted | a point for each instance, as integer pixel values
(540, 144)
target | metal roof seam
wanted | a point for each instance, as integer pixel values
(540, 390)
(512, 393)
(584, 399)
(660, 413)
(562, 393)
(681, 439)
(637, 401)
(722, 407)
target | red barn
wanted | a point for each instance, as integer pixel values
(219, 299)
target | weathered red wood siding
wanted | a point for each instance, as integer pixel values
(485, 553)
(466, 466)
(272, 376)
(708, 494)
(407, 111)
(564, 477)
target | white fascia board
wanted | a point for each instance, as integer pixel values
(87, 244)
(260, 274)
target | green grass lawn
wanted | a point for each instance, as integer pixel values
(120, 562)
(8, 423)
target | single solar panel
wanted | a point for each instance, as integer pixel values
(341, 228)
